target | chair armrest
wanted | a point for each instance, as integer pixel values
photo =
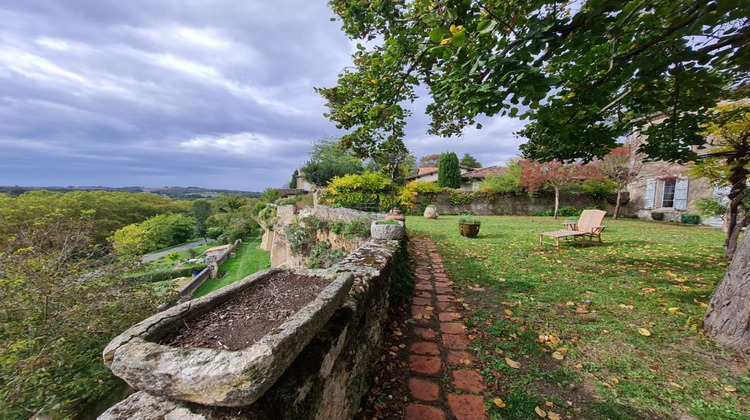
(598, 229)
(570, 225)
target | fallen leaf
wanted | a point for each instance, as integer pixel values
(673, 310)
(557, 355)
(570, 303)
(418, 316)
(498, 402)
(614, 380)
(563, 350)
(508, 312)
(539, 412)
(580, 311)
(644, 332)
(730, 388)
(399, 333)
(553, 416)
(429, 308)
(512, 363)
(549, 404)
(676, 385)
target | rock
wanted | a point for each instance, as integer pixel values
(431, 213)
(142, 406)
(211, 376)
(386, 231)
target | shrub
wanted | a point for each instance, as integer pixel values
(509, 183)
(402, 281)
(460, 198)
(710, 208)
(315, 222)
(163, 275)
(598, 188)
(413, 190)
(657, 215)
(286, 201)
(322, 256)
(267, 215)
(359, 227)
(565, 211)
(300, 239)
(354, 191)
(692, 219)
(337, 227)
(214, 232)
(471, 219)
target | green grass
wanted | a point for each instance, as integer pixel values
(635, 280)
(248, 260)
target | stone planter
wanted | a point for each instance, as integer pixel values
(387, 231)
(469, 230)
(211, 376)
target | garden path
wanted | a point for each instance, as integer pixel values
(442, 383)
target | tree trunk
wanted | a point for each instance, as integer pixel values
(617, 205)
(557, 200)
(735, 210)
(728, 315)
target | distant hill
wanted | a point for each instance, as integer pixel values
(175, 193)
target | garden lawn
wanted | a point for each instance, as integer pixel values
(601, 332)
(248, 260)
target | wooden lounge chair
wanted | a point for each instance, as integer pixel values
(588, 226)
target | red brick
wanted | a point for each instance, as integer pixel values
(455, 342)
(424, 294)
(420, 310)
(424, 286)
(426, 365)
(468, 380)
(459, 358)
(424, 333)
(445, 298)
(444, 289)
(423, 412)
(421, 301)
(444, 283)
(425, 347)
(467, 407)
(452, 327)
(423, 276)
(446, 306)
(449, 316)
(423, 389)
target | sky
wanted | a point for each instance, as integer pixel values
(213, 94)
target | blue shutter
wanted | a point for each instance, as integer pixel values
(650, 192)
(681, 194)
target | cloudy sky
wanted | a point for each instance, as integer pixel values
(215, 94)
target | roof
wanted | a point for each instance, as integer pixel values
(430, 170)
(286, 192)
(217, 248)
(483, 173)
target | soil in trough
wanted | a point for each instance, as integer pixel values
(244, 319)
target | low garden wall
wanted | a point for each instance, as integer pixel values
(495, 204)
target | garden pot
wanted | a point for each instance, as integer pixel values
(387, 231)
(469, 230)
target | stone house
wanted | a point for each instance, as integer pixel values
(472, 181)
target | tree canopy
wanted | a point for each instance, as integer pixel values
(469, 161)
(592, 70)
(328, 160)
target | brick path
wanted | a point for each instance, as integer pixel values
(442, 383)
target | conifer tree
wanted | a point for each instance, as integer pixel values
(449, 174)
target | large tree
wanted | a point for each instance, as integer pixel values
(587, 72)
(329, 159)
(429, 161)
(470, 161)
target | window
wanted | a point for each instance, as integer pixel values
(668, 195)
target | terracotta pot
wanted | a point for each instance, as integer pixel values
(469, 230)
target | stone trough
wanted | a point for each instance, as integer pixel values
(212, 376)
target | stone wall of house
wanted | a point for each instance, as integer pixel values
(697, 188)
(329, 377)
(521, 204)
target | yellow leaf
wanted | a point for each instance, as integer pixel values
(570, 303)
(673, 310)
(614, 380)
(676, 385)
(445, 41)
(512, 363)
(539, 412)
(429, 308)
(418, 316)
(508, 312)
(730, 388)
(399, 333)
(557, 355)
(563, 350)
(644, 332)
(426, 316)
(498, 402)
(553, 416)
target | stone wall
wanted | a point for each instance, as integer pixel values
(276, 243)
(331, 374)
(509, 205)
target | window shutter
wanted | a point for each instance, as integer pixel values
(650, 192)
(680, 194)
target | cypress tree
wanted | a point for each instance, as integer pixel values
(449, 174)
(293, 182)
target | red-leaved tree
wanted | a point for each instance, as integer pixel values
(554, 174)
(621, 167)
